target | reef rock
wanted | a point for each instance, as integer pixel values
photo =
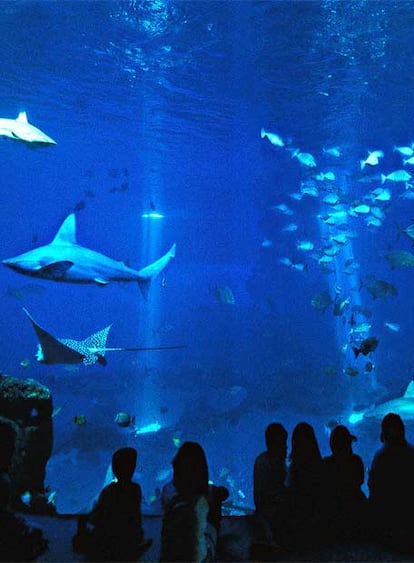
(27, 406)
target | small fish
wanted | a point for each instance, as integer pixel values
(321, 301)
(310, 190)
(325, 176)
(304, 245)
(380, 289)
(351, 371)
(223, 294)
(148, 429)
(381, 194)
(333, 151)
(409, 161)
(163, 474)
(177, 441)
(331, 199)
(290, 228)
(80, 205)
(400, 259)
(283, 208)
(396, 176)
(366, 346)
(394, 327)
(304, 158)
(362, 209)
(405, 151)
(25, 364)
(372, 159)
(266, 243)
(369, 367)
(297, 196)
(124, 419)
(164, 282)
(79, 419)
(340, 306)
(409, 231)
(360, 328)
(373, 221)
(272, 137)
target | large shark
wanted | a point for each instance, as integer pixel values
(21, 130)
(64, 260)
(404, 406)
(91, 350)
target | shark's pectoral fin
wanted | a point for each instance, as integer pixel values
(55, 270)
(100, 281)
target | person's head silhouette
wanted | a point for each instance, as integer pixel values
(124, 462)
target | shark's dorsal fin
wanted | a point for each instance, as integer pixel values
(22, 117)
(409, 393)
(67, 232)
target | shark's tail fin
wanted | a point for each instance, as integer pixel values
(147, 274)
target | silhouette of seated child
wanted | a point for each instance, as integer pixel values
(116, 519)
(18, 540)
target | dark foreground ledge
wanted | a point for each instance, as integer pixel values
(238, 535)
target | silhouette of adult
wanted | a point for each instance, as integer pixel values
(192, 509)
(117, 533)
(391, 485)
(18, 541)
(305, 488)
(346, 503)
(269, 475)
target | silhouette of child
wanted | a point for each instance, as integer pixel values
(117, 533)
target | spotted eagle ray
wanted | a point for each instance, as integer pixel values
(64, 260)
(21, 130)
(91, 350)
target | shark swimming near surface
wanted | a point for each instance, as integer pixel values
(91, 350)
(20, 129)
(64, 260)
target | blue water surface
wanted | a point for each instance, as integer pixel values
(158, 106)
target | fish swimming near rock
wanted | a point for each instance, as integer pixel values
(64, 260)
(404, 406)
(20, 129)
(91, 350)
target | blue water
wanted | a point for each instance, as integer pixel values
(159, 105)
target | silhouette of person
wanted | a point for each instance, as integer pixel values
(305, 487)
(192, 508)
(346, 504)
(18, 541)
(117, 533)
(391, 485)
(269, 475)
